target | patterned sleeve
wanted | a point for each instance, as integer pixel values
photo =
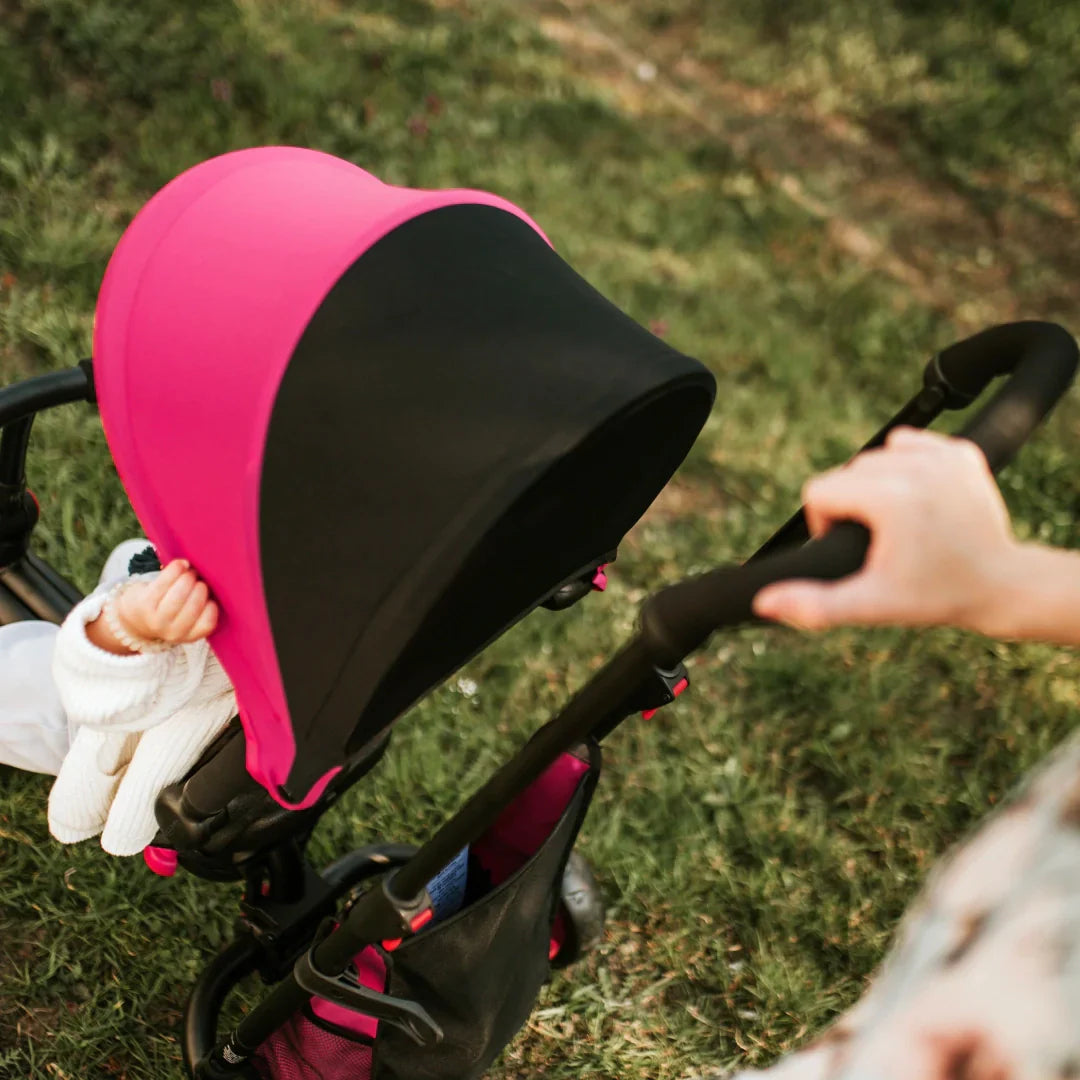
(983, 982)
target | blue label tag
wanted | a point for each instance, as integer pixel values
(447, 887)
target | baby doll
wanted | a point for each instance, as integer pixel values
(135, 696)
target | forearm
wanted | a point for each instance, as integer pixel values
(1036, 597)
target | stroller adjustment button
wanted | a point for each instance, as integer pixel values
(163, 861)
(416, 924)
(421, 920)
(670, 684)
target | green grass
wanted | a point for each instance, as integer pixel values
(812, 205)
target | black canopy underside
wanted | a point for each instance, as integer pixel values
(464, 425)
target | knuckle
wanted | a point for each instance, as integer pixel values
(900, 435)
(901, 487)
(971, 455)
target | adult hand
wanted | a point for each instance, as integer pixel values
(941, 548)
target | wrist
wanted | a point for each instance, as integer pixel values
(997, 605)
(100, 636)
(128, 638)
(1032, 592)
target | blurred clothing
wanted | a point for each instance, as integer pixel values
(34, 731)
(983, 982)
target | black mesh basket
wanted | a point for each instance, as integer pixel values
(477, 973)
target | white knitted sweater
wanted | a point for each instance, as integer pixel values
(140, 723)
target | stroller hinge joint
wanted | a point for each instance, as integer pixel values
(345, 990)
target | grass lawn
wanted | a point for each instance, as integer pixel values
(812, 202)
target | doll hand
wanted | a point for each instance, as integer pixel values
(175, 608)
(941, 549)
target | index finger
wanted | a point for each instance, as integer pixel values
(909, 438)
(862, 491)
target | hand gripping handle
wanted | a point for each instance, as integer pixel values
(1040, 360)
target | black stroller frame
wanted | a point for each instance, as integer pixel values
(291, 929)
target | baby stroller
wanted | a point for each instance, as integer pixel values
(425, 426)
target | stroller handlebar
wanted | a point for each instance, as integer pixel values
(21, 400)
(1039, 358)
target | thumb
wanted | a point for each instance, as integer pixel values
(815, 605)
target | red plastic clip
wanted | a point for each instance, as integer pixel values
(416, 925)
(163, 861)
(422, 920)
(676, 690)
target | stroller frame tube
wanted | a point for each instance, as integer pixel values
(21, 400)
(1042, 360)
(29, 587)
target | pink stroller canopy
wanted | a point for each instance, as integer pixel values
(383, 424)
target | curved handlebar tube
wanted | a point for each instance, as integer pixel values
(30, 396)
(20, 402)
(1040, 359)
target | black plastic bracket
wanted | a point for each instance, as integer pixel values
(659, 687)
(935, 381)
(663, 688)
(87, 367)
(412, 914)
(578, 587)
(345, 990)
(282, 928)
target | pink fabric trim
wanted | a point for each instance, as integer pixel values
(371, 969)
(530, 819)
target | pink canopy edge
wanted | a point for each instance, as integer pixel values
(203, 302)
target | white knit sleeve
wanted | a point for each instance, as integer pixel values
(140, 722)
(122, 693)
(163, 756)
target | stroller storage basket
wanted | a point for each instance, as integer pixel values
(477, 974)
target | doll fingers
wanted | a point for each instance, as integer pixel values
(206, 623)
(191, 610)
(156, 589)
(169, 607)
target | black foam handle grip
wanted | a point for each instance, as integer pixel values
(1042, 359)
(969, 366)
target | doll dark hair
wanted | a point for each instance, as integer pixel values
(144, 562)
